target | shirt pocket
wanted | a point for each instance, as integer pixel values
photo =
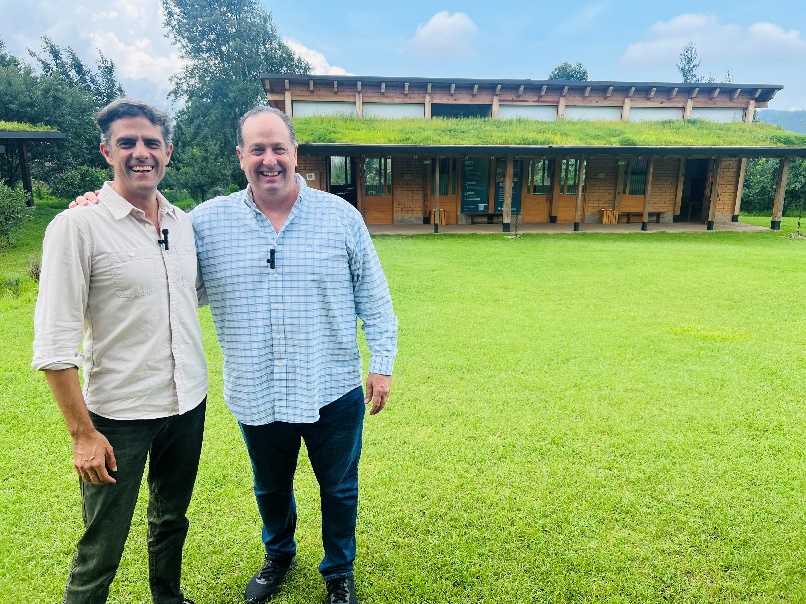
(188, 264)
(135, 272)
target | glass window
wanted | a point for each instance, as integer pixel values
(448, 177)
(540, 176)
(340, 173)
(378, 172)
(570, 177)
(634, 177)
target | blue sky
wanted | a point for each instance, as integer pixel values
(759, 43)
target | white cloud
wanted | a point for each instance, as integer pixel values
(446, 36)
(716, 42)
(137, 59)
(319, 63)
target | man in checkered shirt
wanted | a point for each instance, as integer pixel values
(286, 271)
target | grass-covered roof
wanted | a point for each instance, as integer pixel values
(485, 131)
(23, 127)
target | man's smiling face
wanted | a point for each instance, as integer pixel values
(268, 158)
(138, 155)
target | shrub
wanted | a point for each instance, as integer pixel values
(13, 212)
(176, 195)
(76, 182)
(35, 268)
(41, 189)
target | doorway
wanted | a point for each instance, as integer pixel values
(341, 178)
(695, 181)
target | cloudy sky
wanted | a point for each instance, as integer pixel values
(758, 42)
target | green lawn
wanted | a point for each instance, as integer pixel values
(575, 418)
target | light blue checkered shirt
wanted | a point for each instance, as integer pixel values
(289, 333)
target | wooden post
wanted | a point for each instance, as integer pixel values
(506, 219)
(739, 189)
(688, 109)
(780, 190)
(436, 195)
(495, 107)
(714, 197)
(554, 188)
(359, 104)
(25, 173)
(561, 108)
(361, 186)
(621, 167)
(748, 112)
(647, 192)
(580, 172)
(625, 110)
(428, 101)
(678, 194)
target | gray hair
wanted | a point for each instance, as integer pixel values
(266, 109)
(125, 107)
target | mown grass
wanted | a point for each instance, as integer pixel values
(575, 418)
(484, 131)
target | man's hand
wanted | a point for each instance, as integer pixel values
(84, 200)
(92, 454)
(378, 389)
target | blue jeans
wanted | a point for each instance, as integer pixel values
(334, 448)
(172, 446)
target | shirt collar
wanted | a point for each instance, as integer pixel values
(249, 198)
(119, 207)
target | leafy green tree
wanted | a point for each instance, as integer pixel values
(225, 46)
(203, 173)
(64, 63)
(13, 213)
(570, 72)
(689, 63)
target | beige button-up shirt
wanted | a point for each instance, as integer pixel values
(105, 277)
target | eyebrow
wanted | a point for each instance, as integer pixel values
(133, 139)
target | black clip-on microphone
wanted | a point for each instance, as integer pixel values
(164, 241)
(270, 259)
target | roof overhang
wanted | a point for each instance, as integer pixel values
(31, 135)
(546, 150)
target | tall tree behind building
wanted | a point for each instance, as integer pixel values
(570, 71)
(225, 46)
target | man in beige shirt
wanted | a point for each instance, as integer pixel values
(123, 278)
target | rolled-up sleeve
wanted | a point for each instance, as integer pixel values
(62, 299)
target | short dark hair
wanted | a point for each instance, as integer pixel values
(266, 109)
(126, 107)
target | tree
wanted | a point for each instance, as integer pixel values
(64, 63)
(225, 47)
(689, 63)
(569, 72)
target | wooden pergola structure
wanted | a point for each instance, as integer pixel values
(21, 139)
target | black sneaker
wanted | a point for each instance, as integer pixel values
(262, 587)
(341, 591)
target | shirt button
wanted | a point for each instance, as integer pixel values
(173, 316)
(132, 254)
(279, 363)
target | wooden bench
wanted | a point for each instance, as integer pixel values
(486, 218)
(640, 216)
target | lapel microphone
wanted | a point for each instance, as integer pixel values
(164, 241)
(270, 259)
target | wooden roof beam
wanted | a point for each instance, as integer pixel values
(609, 92)
(693, 93)
(772, 95)
(475, 89)
(453, 88)
(757, 93)
(673, 93)
(428, 88)
(498, 90)
(406, 88)
(714, 93)
(651, 93)
(565, 91)
(542, 91)
(310, 86)
(383, 87)
(287, 85)
(735, 94)
(358, 86)
(631, 92)
(587, 91)
(336, 86)
(520, 90)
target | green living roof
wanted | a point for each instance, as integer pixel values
(485, 131)
(23, 127)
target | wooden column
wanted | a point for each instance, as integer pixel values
(554, 188)
(506, 219)
(625, 110)
(289, 111)
(436, 195)
(25, 173)
(580, 173)
(748, 112)
(495, 107)
(714, 197)
(428, 102)
(561, 108)
(739, 189)
(780, 190)
(688, 108)
(678, 192)
(359, 104)
(647, 192)
(361, 186)
(621, 165)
